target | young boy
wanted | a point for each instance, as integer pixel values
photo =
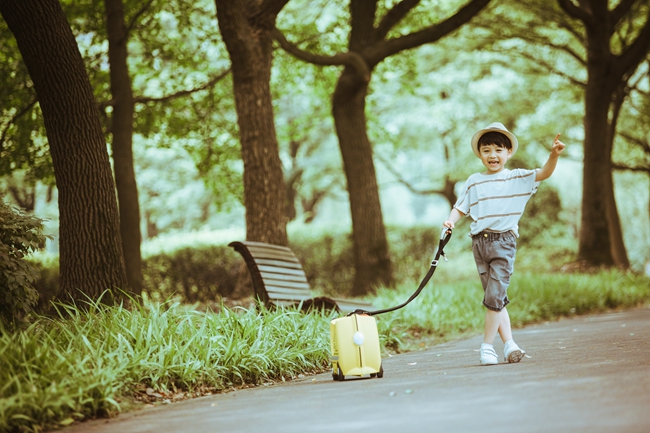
(495, 200)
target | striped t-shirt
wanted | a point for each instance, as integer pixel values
(495, 202)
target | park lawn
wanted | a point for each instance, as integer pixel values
(100, 360)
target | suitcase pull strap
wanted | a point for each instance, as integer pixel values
(444, 239)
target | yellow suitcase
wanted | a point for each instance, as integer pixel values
(354, 338)
(355, 347)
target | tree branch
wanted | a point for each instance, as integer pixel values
(620, 10)
(268, 9)
(405, 182)
(576, 12)
(179, 94)
(350, 58)
(136, 17)
(430, 34)
(393, 16)
(626, 167)
(631, 57)
(566, 25)
(644, 144)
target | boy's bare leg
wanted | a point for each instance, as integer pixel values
(497, 321)
(492, 325)
(505, 331)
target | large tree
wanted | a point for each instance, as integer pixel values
(370, 42)
(246, 27)
(605, 42)
(91, 259)
(617, 39)
(122, 143)
(118, 101)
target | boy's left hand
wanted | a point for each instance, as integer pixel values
(558, 146)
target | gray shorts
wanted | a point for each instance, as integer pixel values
(494, 254)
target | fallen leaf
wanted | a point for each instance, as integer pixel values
(66, 421)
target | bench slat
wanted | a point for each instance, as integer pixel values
(287, 284)
(279, 278)
(280, 263)
(282, 271)
(263, 253)
(287, 293)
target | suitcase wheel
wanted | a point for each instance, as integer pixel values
(341, 375)
(338, 375)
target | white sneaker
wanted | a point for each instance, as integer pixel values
(488, 355)
(512, 353)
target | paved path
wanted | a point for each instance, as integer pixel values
(586, 374)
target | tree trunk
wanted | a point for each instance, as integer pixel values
(369, 45)
(594, 243)
(249, 42)
(619, 253)
(601, 240)
(122, 144)
(91, 258)
(371, 254)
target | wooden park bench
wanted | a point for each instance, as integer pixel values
(279, 280)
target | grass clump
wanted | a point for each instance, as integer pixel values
(85, 363)
(96, 360)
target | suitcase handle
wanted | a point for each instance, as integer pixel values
(444, 239)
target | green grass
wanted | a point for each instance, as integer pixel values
(83, 364)
(95, 361)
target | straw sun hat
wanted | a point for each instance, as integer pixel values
(494, 127)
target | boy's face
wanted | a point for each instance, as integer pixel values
(494, 157)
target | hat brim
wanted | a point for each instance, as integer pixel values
(510, 135)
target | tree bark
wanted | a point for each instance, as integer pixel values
(246, 30)
(619, 253)
(91, 258)
(372, 261)
(594, 241)
(122, 144)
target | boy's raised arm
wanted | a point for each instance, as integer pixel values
(547, 170)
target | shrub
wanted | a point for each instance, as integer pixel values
(20, 235)
(198, 274)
